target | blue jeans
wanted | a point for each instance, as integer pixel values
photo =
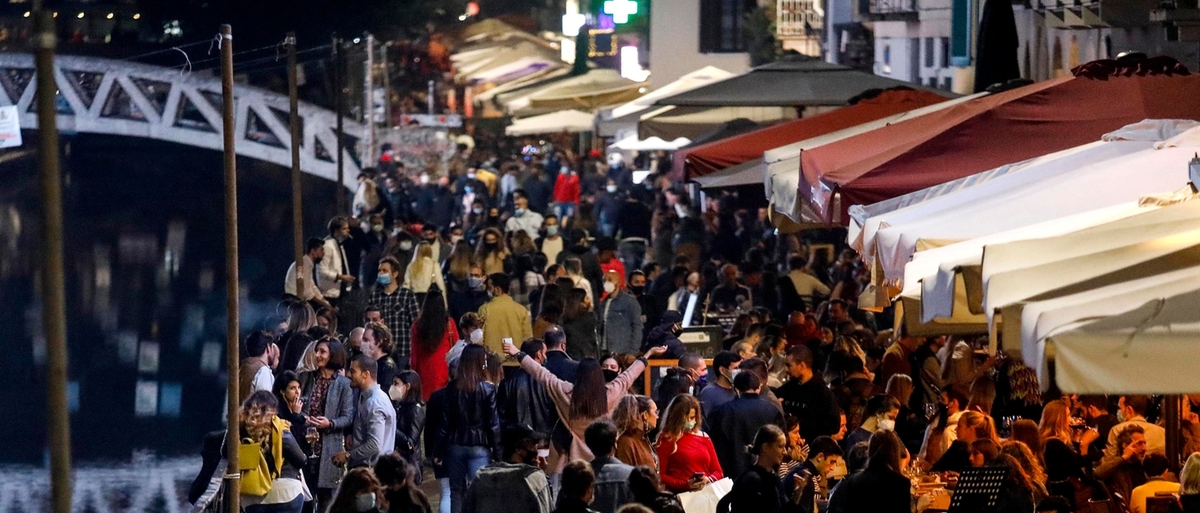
(444, 505)
(294, 506)
(462, 463)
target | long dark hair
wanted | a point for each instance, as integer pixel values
(573, 304)
(293, 352)
(471, 368)
(551, 294)
(589, 397)
(431, 323)
(884, 451)
(412, 381)
(356, 482)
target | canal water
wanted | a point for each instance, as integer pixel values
(145, 267)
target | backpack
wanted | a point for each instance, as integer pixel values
(257, 472)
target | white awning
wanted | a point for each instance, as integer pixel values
(562, 121)
(632, 143)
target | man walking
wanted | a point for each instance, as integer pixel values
(503, 317)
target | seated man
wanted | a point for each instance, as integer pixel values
(612, 476)
(1158, 470)
(823, 456)
(515, 484)
(1124, 472)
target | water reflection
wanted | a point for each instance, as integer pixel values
(144, 248)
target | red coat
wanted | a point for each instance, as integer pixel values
(566, 188)
(432, 367)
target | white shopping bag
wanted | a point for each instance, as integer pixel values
(705, 500)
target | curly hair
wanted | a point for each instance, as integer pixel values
(258, 415)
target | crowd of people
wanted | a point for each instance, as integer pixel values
(496, 325)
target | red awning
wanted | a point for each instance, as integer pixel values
(985, 133)
(712, 157)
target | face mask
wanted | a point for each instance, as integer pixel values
(396, 393)
(477, 211)
(377, 228)
(691, 425)
(519, 212)
(491, 294)
(364, 502)
(490, 245)
(468, 189)
(637, 289)
(609, 287)
(406, 245)
(886, 424)
(552, 231)
(470, 176)
(1120, 416)
(424, 179)
(702, 381)
(384, 279)
(474, 282)
(733, 374)
(476, 336)
(455, 238)
(609, 375)
(611, 189)
(680, 211)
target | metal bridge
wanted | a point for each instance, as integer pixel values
(104, 96)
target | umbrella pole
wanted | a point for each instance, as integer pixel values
(1172, 417)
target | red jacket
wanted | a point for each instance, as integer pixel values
(432, 367)
(566, 188)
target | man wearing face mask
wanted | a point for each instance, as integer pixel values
(694, 364)
(397, 307)
(516, 484)
(620, 317)
(721, 391)
(374, 241)
(463, 300)
(608, 207)
(733, 425)
(522, 400)
(880, 414)
(470, 328)
(652, 308)
(523, 217)
(539, 189)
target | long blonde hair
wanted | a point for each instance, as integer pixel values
(258, 415)
(1054, 422)
(461, 257)
(1189, 477)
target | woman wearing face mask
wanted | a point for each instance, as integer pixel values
(329, 405)
(473, 219)
(491, 253)
(686, 456)
(401, 246)
(432, 335)
(635, 417)
(360, 493)
(406, 396)
(470, 329)
(880, 415)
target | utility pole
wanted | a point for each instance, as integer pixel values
(339, 98)
(297, 196)
(232, 363)
(369, 102)
(54, 309)
(387, 85)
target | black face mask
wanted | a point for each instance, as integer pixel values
(676, 330)
(610, 375)
(491, 245)
(637, 290)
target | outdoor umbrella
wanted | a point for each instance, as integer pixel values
(712, 157)
(987, 132)
(996, 59)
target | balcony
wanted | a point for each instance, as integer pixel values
(888, 10)
(799, 25)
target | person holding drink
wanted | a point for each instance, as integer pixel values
(329, 410)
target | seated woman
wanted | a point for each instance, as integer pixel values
(880, 487)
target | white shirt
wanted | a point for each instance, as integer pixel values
(264, 379)
(311, 291)
(807, 284)
(531, 222)
(333, 265)
(551, 247)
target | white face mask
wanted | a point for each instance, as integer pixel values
(886, 424)
(609, 287)
(680, 211)
(406, 245)
(424, 179)
(454, 239)
(396, 393)
(611, 189)
(476, 336)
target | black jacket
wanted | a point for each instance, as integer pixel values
(469, 419)
(523, 400)
(210, 454)
(561, 366)
(433, 415)
(876, 491)
(538, 190)
(813, 404)
(410, 421)
(732, 427)
(633, 220)
(758, 490)
(581, 336)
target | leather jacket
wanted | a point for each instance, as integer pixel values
(524, 401)
(469, 419)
